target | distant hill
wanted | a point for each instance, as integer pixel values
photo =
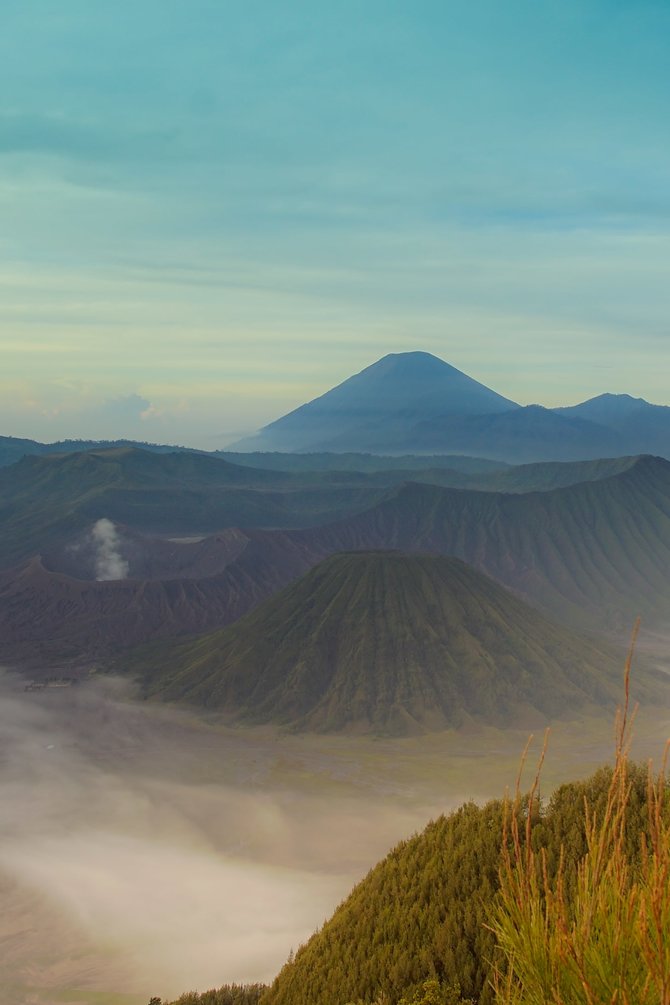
(13, 448)
(453, 471)
(277, 461)
(544, 476)
(413, 403)
(386, 643)
(374, 409)
(47, 501)
(641, 426)
(611, 410)
(524, 435)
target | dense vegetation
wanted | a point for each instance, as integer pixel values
(229, 994)
(389, 643)
(596, 932)
(416, 930)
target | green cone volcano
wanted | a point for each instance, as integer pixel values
(388, 643)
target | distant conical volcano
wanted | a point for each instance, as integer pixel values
(371, 409)
(387, 643)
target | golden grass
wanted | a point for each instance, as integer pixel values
(605, 938)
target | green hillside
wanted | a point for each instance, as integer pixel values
(423, 911)
(389, 643)
(44, 500)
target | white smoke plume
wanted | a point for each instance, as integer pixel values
(108, 563)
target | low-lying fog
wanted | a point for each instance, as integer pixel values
(144, 851)
(141, 851)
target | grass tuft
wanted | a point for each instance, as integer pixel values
(602, 936)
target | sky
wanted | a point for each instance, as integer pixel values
(211, 212)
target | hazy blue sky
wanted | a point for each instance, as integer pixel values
(211, 211)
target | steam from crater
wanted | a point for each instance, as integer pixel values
(108, 563)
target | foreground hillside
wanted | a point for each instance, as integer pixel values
(423, 913)
(390, 643)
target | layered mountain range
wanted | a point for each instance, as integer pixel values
(431, 583)
(589, 546)
(107, 549)
(46, 501)
(416, 403)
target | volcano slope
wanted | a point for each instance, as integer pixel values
(376, 408)
(387, 643)
(55, 614)
(593, 555)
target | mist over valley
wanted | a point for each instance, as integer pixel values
(146, 850)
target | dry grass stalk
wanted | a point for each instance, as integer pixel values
(604, 938)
